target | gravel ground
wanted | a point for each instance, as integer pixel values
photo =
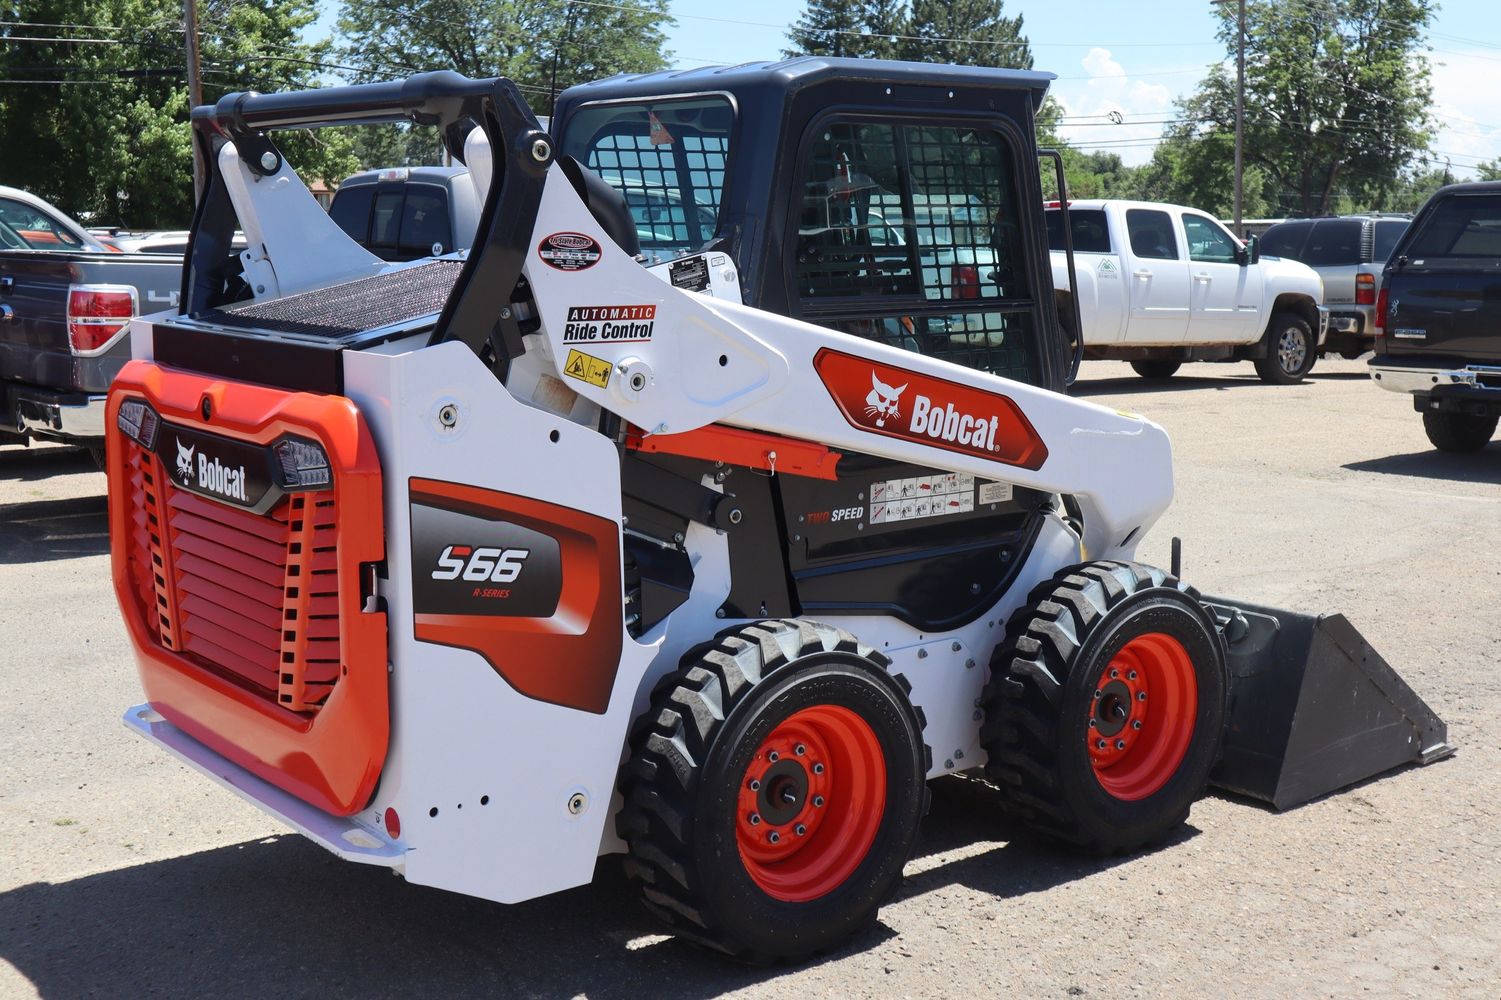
(127, 876)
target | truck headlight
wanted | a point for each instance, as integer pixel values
(139, 422)
(303, 465)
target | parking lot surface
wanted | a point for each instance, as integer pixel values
(126, 875)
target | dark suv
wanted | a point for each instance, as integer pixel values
(1348, 252)
(1440, 317)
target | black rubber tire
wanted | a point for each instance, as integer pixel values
(1458, 432)
(1155, 369)
(1038, 699)
(1271, 368)
(689, 753)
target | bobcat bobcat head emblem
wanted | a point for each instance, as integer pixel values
(185, 461)
(882, 401)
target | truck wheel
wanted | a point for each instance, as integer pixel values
(774, 791)
(1156, 369)
(1458, 431)
(1105, 709)
(1291, 350)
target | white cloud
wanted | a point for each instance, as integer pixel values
(1141, 102)
(1466, 109)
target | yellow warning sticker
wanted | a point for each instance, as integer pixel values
(587, 368)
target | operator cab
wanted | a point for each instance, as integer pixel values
(876, 198)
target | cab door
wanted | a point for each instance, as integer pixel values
(1226, 296)
(1158, 275)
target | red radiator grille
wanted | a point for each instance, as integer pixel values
(252, 597)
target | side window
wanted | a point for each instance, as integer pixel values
(424, 221)
(668, 158)
(1333, 243)
(1151, 234)
(1387, 235)
(36, 228)
(385, 220)
(1091, 230)
(910, 234)
(1286, 239)
(351, 211)
(1207, 242)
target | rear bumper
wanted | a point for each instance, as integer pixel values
(1483, 379)
(343, 837)
(46, 413)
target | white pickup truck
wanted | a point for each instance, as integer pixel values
(1159, 285)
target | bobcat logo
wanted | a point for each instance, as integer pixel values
(882, 401)
(185, 461)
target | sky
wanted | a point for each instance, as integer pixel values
(1136, 57)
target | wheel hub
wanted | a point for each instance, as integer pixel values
(1142, 715)
(810, 802)
(1291, 350)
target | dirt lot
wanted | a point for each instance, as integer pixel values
(126, 876)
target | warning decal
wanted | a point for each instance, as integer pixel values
(587, 368)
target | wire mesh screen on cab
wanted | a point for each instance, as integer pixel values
(909, 235)
(667, 158)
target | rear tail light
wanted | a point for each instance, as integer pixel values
(139, 422)
(97, 314)
(304, 465)
(966, 282)
(1365, 289)
(1381, 307)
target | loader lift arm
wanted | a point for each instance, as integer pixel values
(479, 314)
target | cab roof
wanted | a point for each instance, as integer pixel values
(788, 76)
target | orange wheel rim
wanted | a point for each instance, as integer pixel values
(1141, 716)
(810, 803)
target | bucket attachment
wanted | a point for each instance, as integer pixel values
(1313, 708)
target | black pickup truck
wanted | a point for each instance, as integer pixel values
(65, 304)
(1438, 316)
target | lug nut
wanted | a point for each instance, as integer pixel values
(818, 801)
(1114, 673)
(773, 756)
(1141, 696)
(799, 749)
(755, 784)
(1131, 676)
(1120, 744)
(1091, 723)
(1098, 695)
(755, 819)
(774, 837)
(818, 769)
(1135, 723)
(1101, 745)
(800, 829)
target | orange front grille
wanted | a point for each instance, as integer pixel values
(252, 597)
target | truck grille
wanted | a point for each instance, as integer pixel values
(251, 597)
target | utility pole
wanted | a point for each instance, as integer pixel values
(1240, 112)
(195, 87)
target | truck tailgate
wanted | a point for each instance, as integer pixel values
(1445, 311)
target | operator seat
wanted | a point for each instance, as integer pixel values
(605, 203)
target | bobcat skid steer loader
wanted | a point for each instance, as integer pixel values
(482, 566)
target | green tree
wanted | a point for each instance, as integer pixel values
(543, 46)
(111, 141)
(1337, 99)
(967, 33)
(1490, 170)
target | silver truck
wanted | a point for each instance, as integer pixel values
(65, 303)
(1348, 252)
